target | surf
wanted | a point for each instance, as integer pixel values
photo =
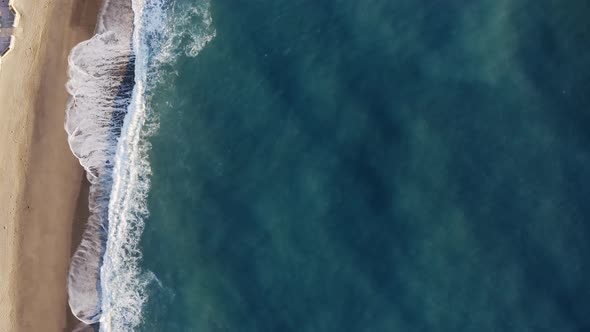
(108, 122)
(100, 91)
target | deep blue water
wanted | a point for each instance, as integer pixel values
(378, 165)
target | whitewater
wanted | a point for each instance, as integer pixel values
(108, 126)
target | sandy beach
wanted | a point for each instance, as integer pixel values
(40, 180)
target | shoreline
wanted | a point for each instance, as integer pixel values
(41, 182)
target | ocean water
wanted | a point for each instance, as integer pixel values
(335, 165)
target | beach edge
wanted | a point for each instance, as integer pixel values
(42, 182)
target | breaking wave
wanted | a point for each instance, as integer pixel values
(108, 123)
(100, 85)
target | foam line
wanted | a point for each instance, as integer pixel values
(108, 125)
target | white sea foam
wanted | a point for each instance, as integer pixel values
(192, 29)
(108, 123)
(122, 282)
(99, 98)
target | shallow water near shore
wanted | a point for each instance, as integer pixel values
(355, 166)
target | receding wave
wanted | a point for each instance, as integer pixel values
(108, 124)
(100, 87)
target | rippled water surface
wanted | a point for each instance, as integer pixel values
(379, 165)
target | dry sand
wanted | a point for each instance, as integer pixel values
(40, 180)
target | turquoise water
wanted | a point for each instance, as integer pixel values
(379, 165)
